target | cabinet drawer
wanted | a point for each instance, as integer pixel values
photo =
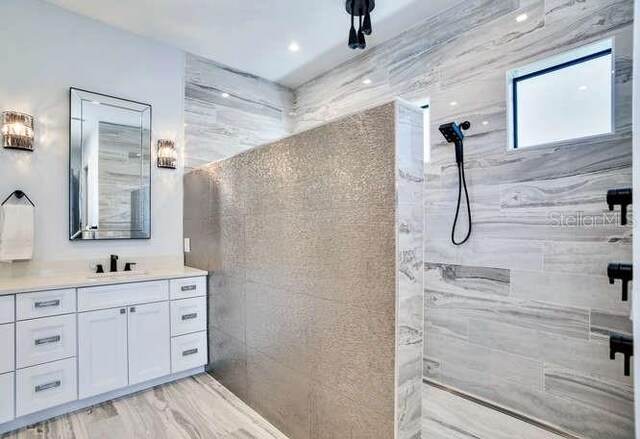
(6, 309)
(113, 296)
(43, 340)
(44, 386)
(188, 315)
(45, 304)
(7, 359)
(188, 351)
(188, 287)
(6, 397)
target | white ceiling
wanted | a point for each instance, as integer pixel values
(253, 35)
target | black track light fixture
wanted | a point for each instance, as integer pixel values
(366, 24)
(362, 9)
(353, 37)
(362, 42)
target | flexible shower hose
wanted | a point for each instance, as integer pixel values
(462, 182)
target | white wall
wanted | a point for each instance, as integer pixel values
(46, 50)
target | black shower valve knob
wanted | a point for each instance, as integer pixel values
(621, 344)
(621, 197)
(623, 272)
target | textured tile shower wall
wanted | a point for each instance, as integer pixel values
(520, 315)
(300, 239)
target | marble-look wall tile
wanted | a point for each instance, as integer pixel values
(409, 157)
(252, 112)
(562, 320)
(604, 323)
(567, 414)
(574, 289)
(606, 394)
(591, 357)
(525, 371)
(448, 416)
(459, 278)
(524, 284)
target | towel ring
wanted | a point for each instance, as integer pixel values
(18, 194)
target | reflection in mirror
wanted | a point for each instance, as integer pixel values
(110, 168)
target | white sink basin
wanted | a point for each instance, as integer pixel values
(117, 275)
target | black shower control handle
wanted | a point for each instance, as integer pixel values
(622, 197)
(622, 344)
(624, 272)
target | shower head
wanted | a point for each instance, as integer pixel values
(452, 132)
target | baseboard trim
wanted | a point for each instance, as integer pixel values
(503, 410)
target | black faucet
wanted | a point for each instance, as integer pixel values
(624, 272)
(619, 343)
(114, 264)
(622, 197)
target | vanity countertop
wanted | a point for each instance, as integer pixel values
(39, 282)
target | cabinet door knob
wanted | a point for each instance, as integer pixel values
(133, 309)
(123, 310)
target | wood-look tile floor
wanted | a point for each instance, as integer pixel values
(196, 407)
(447, 416)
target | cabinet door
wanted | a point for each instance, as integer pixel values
(102, 351)
(6, 397)
(149, 342)
(7, 343)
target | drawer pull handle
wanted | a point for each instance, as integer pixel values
(47, 340)
(47, 386)
(188, 288)
(190, 316)
(189, 352)
(47, 303)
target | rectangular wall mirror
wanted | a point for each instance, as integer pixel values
(109, 167)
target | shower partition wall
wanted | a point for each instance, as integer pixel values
(314, 247)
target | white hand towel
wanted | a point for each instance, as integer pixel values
(17, 224)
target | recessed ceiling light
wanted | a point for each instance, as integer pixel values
(225, 95)
(294, 46)
(522, 17)
(453, 103)
(366, 81)
(583, 88)
(486, 122)
(292, 113)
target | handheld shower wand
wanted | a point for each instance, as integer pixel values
(453, 133)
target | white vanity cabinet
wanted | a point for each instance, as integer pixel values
(68, 348)
(102, 351)
(7, 386)
(149, 346)
(7, 359)
(129, 342)
(188, 323)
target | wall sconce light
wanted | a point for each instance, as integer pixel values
(167, 154)
(17, 130)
